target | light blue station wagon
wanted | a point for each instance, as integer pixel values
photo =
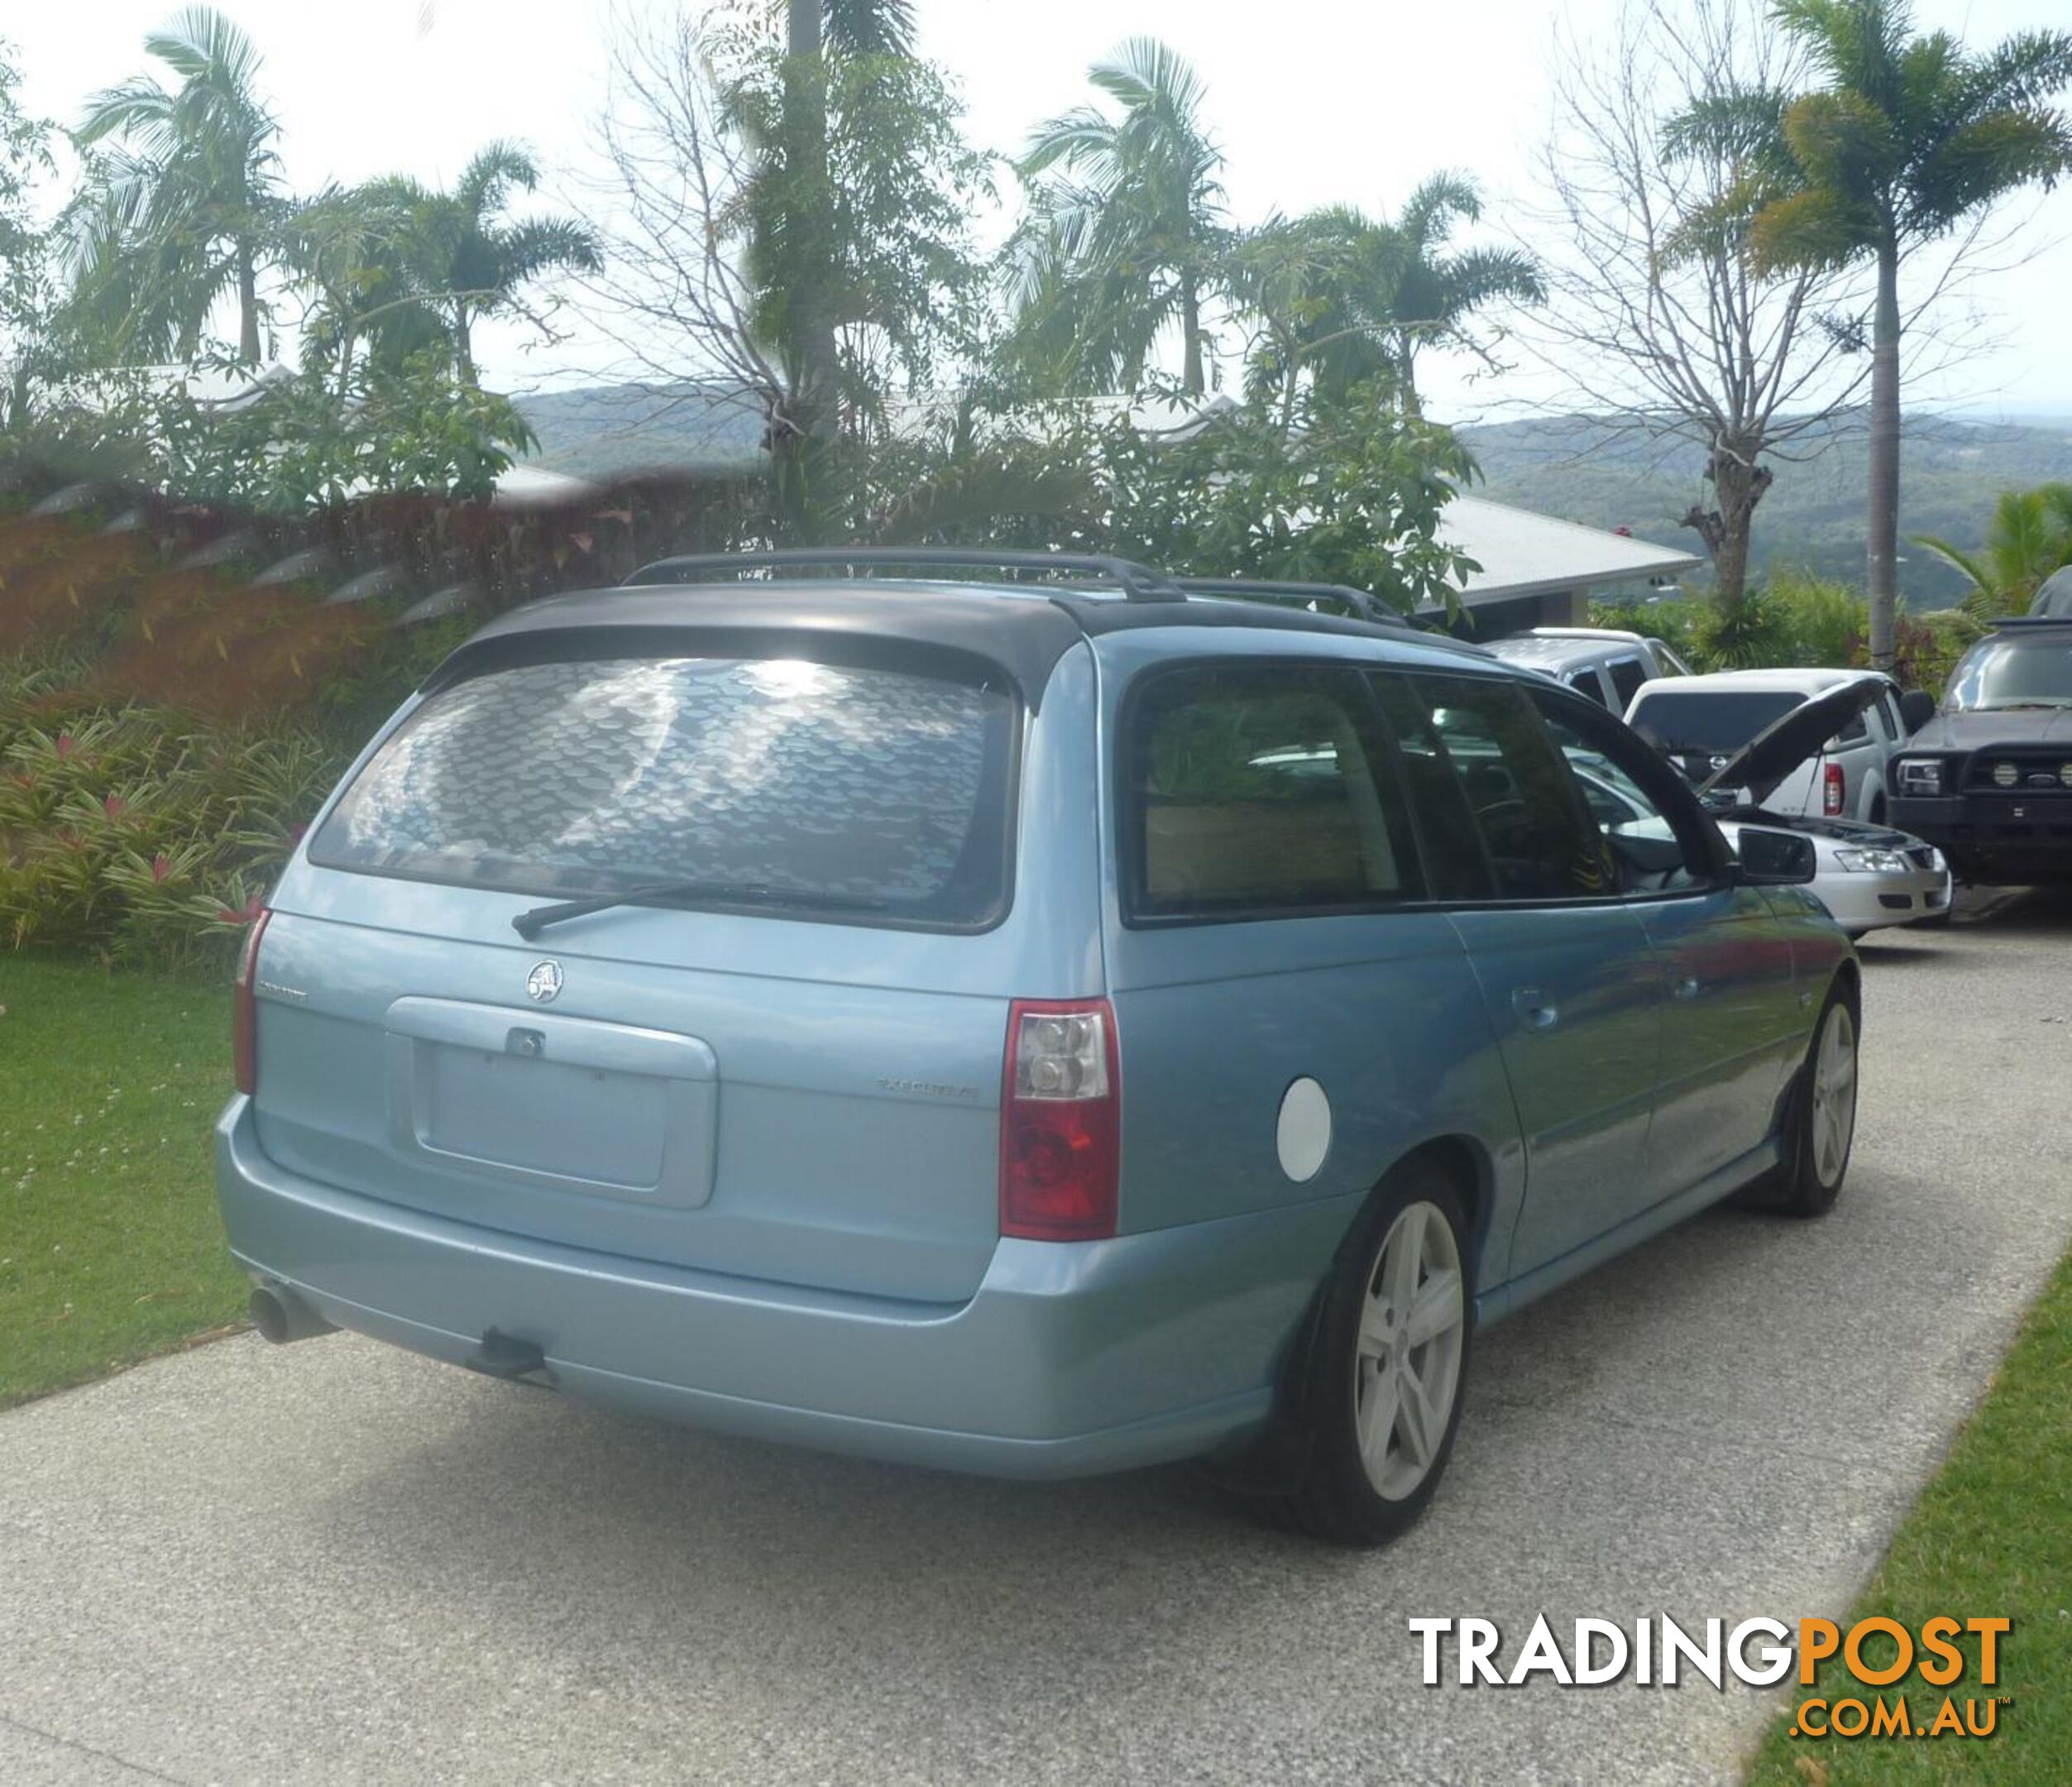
(1021, 1016)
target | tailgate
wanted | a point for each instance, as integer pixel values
(816, 1133)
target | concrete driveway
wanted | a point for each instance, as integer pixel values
(332, 1562)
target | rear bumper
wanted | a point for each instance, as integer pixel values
(1070, 1359)
(2011, 839)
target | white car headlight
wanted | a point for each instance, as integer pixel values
(1921, 775)
(1872, 862)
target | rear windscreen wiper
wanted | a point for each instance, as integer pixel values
(530, 924)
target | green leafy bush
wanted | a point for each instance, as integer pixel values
(1803, 622)
(130, 833)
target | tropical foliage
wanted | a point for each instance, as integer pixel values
(1350, 300)
(1794, 620)
(1911, 136)
(186, 201)
(2029, 537)
(130, 833)
(1128, 236)
(442, 261)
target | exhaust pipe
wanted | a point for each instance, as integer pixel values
(281, 1316)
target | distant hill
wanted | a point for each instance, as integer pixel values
(605, 431)
(1579, 468)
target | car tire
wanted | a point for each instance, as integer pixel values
(1376, 1394)
(1820, 1123)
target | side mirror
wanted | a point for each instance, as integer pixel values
(1777, 859)
(1916, 708)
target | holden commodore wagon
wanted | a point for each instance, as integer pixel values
(1030, 1018)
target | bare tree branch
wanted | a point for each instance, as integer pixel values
(1666, 341)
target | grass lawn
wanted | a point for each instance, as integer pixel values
(1992, 1536)
(110, 1245)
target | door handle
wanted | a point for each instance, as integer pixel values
(1535, 1009)
(1685, 988)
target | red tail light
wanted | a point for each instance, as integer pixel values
(245, 1026)
(1060, 1122)
(1832, 790)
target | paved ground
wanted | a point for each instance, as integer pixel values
(332, 1562)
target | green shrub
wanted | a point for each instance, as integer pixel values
(1755, 633)
(1820, 621)
(1673, 623)
(132, 833)
(1801, 622)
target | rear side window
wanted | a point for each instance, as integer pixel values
(1535, 830)
(1587, 682)
(1261, 791)
(756, 782)
(1627, 675)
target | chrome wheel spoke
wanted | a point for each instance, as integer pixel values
(1415, 1419)
(1403, 1258)
(1377, 1331)
(1437, 1310)
(1378, 1408)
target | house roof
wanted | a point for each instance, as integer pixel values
(1522, 553)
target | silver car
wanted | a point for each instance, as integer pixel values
(1010, 1014)
(1868, 876)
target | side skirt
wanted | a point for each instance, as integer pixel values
(1504, 1299)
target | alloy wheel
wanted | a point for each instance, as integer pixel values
(1407, 1372)
(1834, 1096)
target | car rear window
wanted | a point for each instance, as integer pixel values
(1683, 721)
(779, 780)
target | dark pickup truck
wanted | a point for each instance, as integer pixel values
(1988, 779)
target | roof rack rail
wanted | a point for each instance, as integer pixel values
(2031, 620)
(1361, 605)
(1137, 583)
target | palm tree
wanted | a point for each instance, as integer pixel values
(865, 27)
(460, 259)
(2029, 537)
(1911, 136)
(1351, 300)
(1128, 238)
(1425, 296)
(348, 242)
(186, 204)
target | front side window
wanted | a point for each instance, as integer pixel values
(1640, 838)
(801, 786)
(1260, 792)
(1586, 682)
(1520, 796)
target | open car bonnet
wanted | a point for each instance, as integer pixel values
(1781, 747)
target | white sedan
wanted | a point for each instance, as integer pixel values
(1866, 876)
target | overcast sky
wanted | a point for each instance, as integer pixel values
(1315, 101)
